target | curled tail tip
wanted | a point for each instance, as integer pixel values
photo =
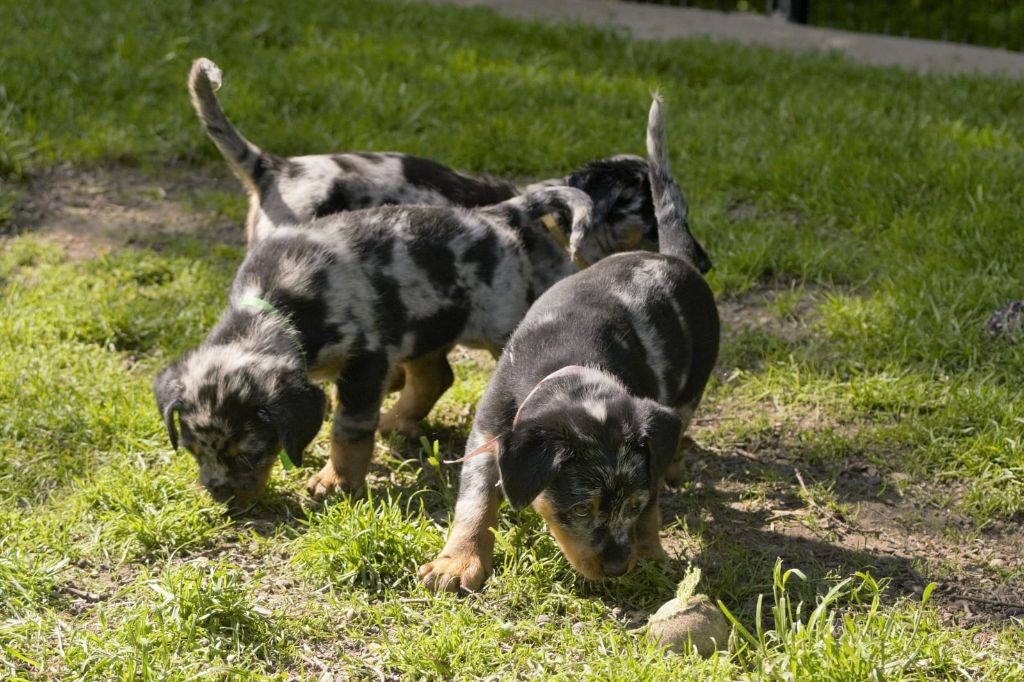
(655, 129)
(206, 70)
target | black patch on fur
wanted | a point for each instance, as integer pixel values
(307, 314)
(344, 164)
(439, 329)
(429, 250)
(268, 165)
(337, 200)
(372, 157)
(460, 189)
(484, 253)
(392, 321)
(359, 392)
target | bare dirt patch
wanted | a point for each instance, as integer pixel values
(89, 212)
(775, 309)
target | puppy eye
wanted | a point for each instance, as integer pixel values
(645, 443)
(581, 511)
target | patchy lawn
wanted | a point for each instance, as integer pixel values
(862, 426)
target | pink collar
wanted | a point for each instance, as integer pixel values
(569, 369)
(492, 444)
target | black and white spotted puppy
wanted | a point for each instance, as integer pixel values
(289, 191)
(346, 299)
(583, 416)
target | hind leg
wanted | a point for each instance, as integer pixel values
(426, 379)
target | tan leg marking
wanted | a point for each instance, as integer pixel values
(426, 379)
(465, 562)
(346, 470)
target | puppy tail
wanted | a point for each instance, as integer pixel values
(542, 202)
(670, 207)
(245, 158)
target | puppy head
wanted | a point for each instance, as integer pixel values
(589, 457)
(237, 410)
(623, 215)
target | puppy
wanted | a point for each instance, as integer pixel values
(346, 298)
(289, 191)
(584, 414)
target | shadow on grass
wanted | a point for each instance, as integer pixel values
(741, 538)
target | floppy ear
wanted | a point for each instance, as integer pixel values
(168, 389)
(662, 430)
(526, 464)
(298, 417)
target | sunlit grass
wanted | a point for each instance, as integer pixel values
(877, 214)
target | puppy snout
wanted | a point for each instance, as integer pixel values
(615, 561)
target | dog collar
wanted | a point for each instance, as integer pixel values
(260, 304)
(565, 371)
(490, 445)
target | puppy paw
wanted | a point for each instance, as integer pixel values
(460, 573)
(391, 423)
(328, 482)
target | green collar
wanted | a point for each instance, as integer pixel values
(266, 306)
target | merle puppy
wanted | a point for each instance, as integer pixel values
(288, 191)
(346, 299)
(584, 414)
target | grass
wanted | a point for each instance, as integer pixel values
(864, 223)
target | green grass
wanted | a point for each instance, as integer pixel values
(865, 221)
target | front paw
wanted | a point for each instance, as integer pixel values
(327, 482)
(456, 573)
(392, 423)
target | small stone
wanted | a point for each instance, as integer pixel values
(543, 620)
(578, 628)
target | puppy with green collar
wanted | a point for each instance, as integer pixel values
(347, 299)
